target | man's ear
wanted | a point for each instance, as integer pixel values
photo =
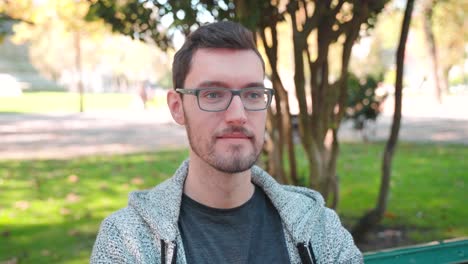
(174, 102)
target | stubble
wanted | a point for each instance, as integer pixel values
(233, 161)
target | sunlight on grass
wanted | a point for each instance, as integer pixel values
(50, 210)
(428, 188)
(61, 203)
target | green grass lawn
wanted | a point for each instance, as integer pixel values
(65, 102)
(428, 188)
(50, 210)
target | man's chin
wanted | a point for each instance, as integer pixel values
(234, 141)
(233, 166)
(235, 161)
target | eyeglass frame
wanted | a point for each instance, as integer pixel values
(196, 92)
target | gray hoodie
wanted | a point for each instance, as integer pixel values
(146, 231)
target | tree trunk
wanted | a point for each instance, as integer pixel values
(444, 79)
(78, 68)
(432, 49)
(280, 132)
(332, 180)
(273, 151)
(317, 115)
(306, 120)
(337, 105)
(321, 103)
(374, 216)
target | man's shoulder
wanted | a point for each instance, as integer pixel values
(128, 216)
(304, 193)
(308, 219)
(125, 218)
(124, 237)
(277, 191)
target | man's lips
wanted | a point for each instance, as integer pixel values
(234, 135)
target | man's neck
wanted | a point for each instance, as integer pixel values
(217, 189)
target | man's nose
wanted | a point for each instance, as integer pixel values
(236, 113)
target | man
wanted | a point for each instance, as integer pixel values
(219, 207)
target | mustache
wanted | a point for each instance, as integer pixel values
(235, 129)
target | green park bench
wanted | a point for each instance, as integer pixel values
(448, 251)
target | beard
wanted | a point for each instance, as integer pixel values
(231, 161)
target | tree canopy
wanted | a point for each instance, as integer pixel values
(49, 28)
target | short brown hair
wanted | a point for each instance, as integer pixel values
(225, 34)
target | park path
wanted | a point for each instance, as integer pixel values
(63, 136)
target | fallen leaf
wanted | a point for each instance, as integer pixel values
(137, 181)
(88, 215)
(22, 205)
(5, 233)
(73, 232)
(103, 186)
(390, 215)
(65, 211)
(72, 198)
(73, 178)
(45, 252)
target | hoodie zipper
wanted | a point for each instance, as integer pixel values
(168, 252)
(306, 253)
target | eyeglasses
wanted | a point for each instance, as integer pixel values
(219, 99)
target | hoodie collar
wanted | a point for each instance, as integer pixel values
(298, 207)
(160, 207)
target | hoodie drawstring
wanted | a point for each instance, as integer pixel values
(168, 252)
(306, 253)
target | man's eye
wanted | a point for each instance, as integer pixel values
(254, 95)
(213, 94)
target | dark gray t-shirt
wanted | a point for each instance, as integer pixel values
(250, 233)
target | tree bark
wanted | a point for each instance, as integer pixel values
(374, 216)
(333, 186)
(444, 79)
(336, 106)
(280, 131)
(306, 134)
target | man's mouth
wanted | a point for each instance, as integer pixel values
(235, 133)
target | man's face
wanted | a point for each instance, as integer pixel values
(229, 141)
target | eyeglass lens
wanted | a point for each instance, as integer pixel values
(214, 99)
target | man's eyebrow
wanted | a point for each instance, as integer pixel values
(254, 84)
(209, 84)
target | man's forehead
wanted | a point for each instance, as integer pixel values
(213, 65)
(223, 52)
(217, 83)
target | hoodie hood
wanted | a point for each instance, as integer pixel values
(148, 228)
(298, 207)
(159, 207)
